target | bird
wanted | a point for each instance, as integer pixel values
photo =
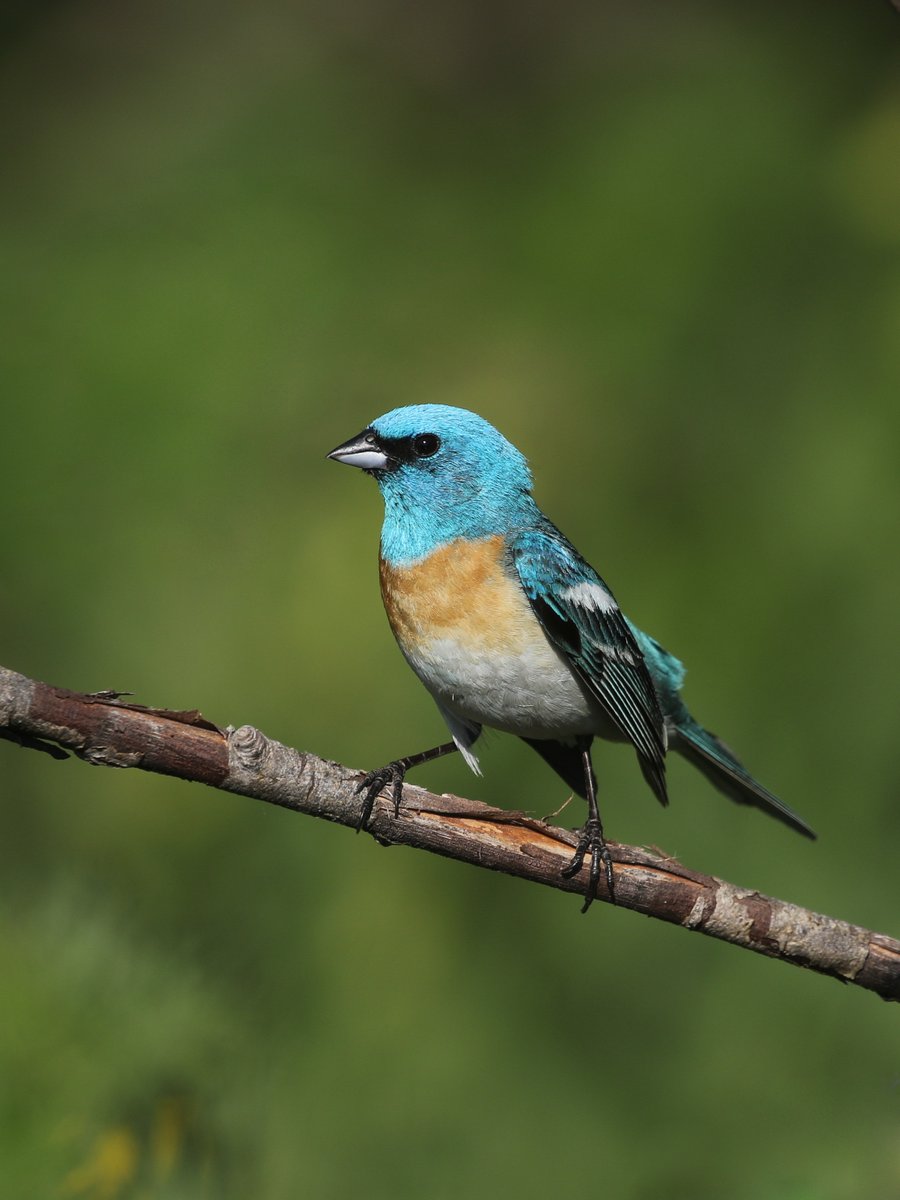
(510, 628)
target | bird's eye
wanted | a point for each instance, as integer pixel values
(426, 444)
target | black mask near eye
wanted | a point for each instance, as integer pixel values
(410, 449)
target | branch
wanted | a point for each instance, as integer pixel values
(105, 731)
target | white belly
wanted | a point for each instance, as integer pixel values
(531, 692)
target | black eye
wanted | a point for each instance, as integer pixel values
(426, 444)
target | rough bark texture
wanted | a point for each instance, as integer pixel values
(105, 731)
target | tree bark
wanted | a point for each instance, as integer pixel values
(104, 730)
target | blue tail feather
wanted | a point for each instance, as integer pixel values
(713, 758)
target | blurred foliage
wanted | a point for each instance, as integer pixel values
(659, 246)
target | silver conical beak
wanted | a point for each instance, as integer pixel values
(361, 451)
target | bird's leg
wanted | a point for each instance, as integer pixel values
(394, 774)
(591, 839)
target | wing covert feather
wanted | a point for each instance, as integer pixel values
(581, 618)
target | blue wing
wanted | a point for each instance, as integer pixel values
(581, 618)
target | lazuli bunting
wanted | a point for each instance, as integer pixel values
(508, 626)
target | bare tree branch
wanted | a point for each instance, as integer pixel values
(105, 731)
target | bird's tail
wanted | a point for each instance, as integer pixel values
(726, 773)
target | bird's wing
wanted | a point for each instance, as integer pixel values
(583, 621)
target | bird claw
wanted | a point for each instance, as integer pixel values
(591, 840)
(374, 783)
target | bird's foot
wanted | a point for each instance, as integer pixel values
(591, 841)
(373, 783)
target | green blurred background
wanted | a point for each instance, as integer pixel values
(659, 246)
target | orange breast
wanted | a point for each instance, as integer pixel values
(459, 591)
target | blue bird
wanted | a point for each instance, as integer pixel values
(509, 627)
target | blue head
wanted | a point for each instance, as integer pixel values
(444, 473)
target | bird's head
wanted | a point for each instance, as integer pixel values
(444, 473)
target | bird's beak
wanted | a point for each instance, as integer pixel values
(363, 451)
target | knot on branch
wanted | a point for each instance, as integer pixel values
(277, 773)
(248, 744)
